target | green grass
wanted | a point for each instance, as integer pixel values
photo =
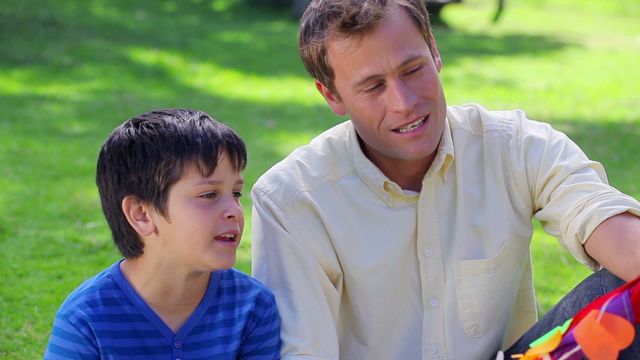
(70, 71)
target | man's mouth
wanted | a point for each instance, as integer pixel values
(410, 127)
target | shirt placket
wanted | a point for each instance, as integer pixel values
(431, 273)
(176, 349)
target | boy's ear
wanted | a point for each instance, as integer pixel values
(138, 215)
(332, 99)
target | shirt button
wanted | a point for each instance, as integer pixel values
(434, 349)
(433, 302)
(177, 344)
(428, 252)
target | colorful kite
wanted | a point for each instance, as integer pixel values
(598, 332)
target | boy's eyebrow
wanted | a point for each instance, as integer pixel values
(217, 182)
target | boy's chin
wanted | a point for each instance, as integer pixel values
(224, 264)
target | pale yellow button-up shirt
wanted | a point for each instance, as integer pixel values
(364, 270)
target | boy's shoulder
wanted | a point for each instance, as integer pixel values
(239, 281)
(236, 282)
(254, 310)
(92, 295)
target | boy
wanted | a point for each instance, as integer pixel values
(170, 183)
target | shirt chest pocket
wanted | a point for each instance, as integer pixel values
(486, 288)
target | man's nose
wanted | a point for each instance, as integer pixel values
(401, 97)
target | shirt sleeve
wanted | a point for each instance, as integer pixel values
(570, 193)
(308, 299)
(68, 341)
(263, 340)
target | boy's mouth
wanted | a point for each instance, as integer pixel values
(231, 237)
(227, 237)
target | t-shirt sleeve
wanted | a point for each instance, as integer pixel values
(262, 341)
(70, 340)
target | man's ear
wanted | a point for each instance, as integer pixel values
(138, 215)
(434, 52)
(333, 100)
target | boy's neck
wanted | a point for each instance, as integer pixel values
(172, 295)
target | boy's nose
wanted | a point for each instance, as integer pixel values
(233, 210)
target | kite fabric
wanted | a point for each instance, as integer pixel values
(598, 332)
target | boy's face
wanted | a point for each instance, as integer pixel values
(204, 219)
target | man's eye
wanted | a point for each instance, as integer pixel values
(373, 88)
(237, 194)
(414, 70)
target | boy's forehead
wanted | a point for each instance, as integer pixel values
(199, 170)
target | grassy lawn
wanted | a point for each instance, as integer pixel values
(70, 71)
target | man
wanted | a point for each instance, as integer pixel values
(404, 233)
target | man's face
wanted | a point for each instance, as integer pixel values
(387, 83)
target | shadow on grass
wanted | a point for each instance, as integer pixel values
(454, 45)
(614, 144)
(251, 39)
(88, 50)
(94, 49)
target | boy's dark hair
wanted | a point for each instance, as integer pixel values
(147, 154)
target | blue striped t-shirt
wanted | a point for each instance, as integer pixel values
(104, 318)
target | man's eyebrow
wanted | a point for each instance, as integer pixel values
(410, 59)
(364, 81)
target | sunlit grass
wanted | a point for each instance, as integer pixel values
(229, 82)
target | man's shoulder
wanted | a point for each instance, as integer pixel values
(479, 121)
(324, 158)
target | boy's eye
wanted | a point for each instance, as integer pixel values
(237, 194)
(209, 195)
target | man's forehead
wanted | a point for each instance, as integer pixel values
(345, 51)
(341, 44)
(344, 43)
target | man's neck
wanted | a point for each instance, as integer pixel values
(408, 174)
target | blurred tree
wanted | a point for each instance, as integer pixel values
(298, 6)
(433, 6)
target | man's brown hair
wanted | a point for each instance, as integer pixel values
(346, 19)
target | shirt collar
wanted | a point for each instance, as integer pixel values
(378, 181)
(367, 170)
(445, 154)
